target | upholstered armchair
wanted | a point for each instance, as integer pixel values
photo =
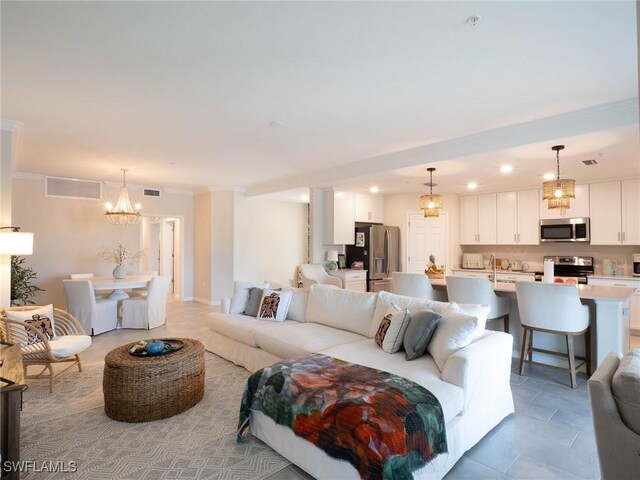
(618, 445)
(314, 274)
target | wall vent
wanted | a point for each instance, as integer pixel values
(590, 163)
(151, 192)
(72, 188)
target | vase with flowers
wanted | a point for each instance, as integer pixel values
(120, 255)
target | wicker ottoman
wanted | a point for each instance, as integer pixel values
(142, 389)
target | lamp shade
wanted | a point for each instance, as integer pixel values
(332, 256)
(16, 243)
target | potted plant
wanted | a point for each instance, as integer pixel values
(120, 255)
(22, 287)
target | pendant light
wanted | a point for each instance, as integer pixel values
(123, 213)
(431, 204)
(558, 192)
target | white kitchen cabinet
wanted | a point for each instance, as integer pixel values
(634, 300)
(339, 218)
(351, 279)
(478, 219)
(369, 208)
(517, 218)
(606, 213)
(579, 205)
(615, 213)
(515, 277)
(471, 273)
(630, 212)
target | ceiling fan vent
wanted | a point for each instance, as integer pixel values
(152, 192)
(590, 163)
(72, 188)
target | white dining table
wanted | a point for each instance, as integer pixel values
(118, 285)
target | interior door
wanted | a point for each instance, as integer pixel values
(426, 236)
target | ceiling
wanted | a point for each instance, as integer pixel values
(276, 95)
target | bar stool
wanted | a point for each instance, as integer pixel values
(414, 285)
(479, 290)
(553, 308)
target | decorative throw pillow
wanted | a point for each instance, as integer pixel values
(253, 304)
(454, 332)
(473, 309)
(391, 330)
(241, 295)
(419, 333)
(40, 318)
(625, 385)
(274, 305)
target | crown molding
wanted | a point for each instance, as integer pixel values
(225, 189)
(27, 176)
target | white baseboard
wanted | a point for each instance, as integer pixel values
(204, 301)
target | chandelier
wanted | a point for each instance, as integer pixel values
(431, 204)
(558, 192)
(123, 213)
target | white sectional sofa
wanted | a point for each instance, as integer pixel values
(472, 386)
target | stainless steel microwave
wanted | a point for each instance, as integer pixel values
(565, 230)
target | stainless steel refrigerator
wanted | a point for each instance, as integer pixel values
(378, 247)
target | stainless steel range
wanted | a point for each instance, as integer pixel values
(570, 270)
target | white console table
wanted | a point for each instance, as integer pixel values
(351, 279)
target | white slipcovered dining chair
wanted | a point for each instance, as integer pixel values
(142, 291)
(479, 291)
(553, 308)
(314, 274)
(150, 311)
(415, 285)
(95, 315)
(86, 276)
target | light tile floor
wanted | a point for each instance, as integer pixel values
(550, 435)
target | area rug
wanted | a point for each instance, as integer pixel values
(68, 430)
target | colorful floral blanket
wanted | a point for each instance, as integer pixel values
(384, 425)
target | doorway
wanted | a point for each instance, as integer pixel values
(161, 241)
(425, 237)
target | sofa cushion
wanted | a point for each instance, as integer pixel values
(423, 371)
(414, 305)
(274, 305)
(419, 333)
(298, 305)
(390, 333)
(300, 339)
(454, 332)
(240, 328)
(343, 309)
(241, 295)
(625, 385)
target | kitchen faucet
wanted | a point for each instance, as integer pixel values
(494, 275)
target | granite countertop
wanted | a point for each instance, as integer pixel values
(587, 292)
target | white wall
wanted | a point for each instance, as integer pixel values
(6, 157)
(270, 239)
(223, 220)
(69, 234)
(395, 213)
(202, 247)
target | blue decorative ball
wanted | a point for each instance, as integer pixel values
(154, 347)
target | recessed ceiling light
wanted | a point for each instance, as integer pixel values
(506, 169)
(374, 189)
(472, 185)
(304, 198)
(549, 176)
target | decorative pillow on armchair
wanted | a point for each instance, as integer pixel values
(274, 305)
(391, 330)
(40, 318)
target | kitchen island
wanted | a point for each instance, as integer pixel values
(609, 312)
